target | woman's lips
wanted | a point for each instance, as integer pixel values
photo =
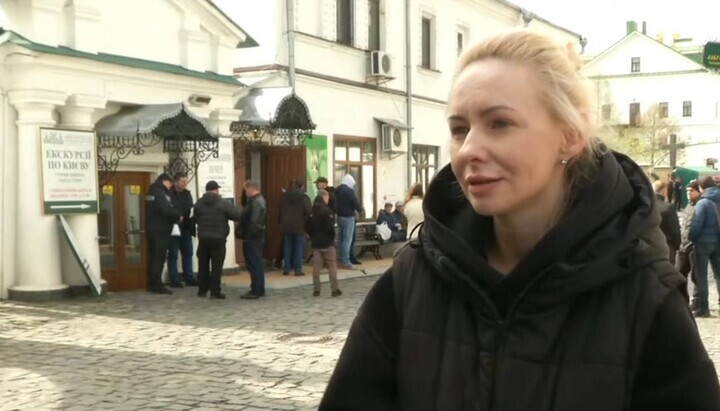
(480, 185)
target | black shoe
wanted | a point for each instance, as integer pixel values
(160, 290)
(316, 293)
(694, 304)
(286, 272)
(300, 274)
(249, 296)
(177, 285)
(336, 293)
(202, 293)
(218, 296)
(701, 313)
(191, 283)
(356, 262)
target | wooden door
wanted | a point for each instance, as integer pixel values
(279, 166)
(121, 231)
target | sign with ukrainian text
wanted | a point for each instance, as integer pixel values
(711, 55)
(69, 171)
(220, 169)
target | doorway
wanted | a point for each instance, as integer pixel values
(121, 231)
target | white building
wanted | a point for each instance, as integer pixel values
(72, 64)
(347, 60)
(638, 72)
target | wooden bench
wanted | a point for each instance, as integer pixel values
(367, 238)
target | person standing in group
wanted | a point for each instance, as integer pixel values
(295, 210)
(321, 229)
(705, 235)
(251, 230)
(348, 206)
(685, 261)
(414, 210)
(540, 280)
(212, 215)
(321, 183)
(669, 222)
(183, 202)
(161, 216)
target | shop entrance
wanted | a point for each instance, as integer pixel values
(121, 231)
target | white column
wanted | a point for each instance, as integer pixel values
(78, 115)
(38, 272)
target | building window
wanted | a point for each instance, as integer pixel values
(345, 22)
(663, 110)
(460, 43)
(427, 43)
(635, 65)
(356, 156)
(687, 108)
(606, 111)
(634, 114)
(374, 25)
(424, 163)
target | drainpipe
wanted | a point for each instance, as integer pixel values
(3, 166)
(290, 12)
(408, 90)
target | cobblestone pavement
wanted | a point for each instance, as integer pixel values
(136, 351)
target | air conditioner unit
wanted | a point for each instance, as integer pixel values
(392, 139)
(380, 64)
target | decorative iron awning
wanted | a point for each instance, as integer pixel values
(276, 112)
(135, 128)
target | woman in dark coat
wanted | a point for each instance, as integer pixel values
(540, 280)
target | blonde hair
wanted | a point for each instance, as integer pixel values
(659, 186)
(416, 190)
(564, 89)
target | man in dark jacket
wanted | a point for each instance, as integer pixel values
(295, 209)
(705, 234)
(347, 207)
(669, 222)
(161, 216)
(211, 215)
(252, 230)
(685, 262)
(591, 319)
(183, 202)
(321, 229)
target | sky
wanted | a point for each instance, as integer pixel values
(603, 21)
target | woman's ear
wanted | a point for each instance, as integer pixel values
(573, 143)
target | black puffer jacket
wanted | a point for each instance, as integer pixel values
(183, 202)
(212, 214)
(161, 214)
(591, 319)
(295, 209)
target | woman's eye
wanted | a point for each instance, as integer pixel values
(501, 123)
(459, 132)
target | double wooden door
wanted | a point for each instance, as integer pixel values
(121, 231)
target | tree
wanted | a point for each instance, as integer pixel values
(647, 138)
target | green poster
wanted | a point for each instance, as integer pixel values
(317, 161)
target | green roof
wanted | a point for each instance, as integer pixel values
(16, 39)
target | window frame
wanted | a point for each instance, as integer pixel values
(635, 64)
(427, 50)
(606, 112)
(418, 168)
(634, 121)
(349, 29)
(375, 33)
(687, 108)
(345, 140)
(663, 109)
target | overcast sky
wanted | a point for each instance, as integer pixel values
(603, 22)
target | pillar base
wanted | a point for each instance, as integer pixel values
(38, 293)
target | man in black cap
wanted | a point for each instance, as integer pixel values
(161, 216)
(212, 214)
(322, 184)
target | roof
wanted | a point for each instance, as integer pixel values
(18, 40)
(535, 16)
(249, 41)
(634, 34)
(277, 107)
(132, 121)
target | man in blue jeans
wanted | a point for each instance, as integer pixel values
(705, 234)
(252, 230)
(295, 210)
(347, 206)
(182, 200)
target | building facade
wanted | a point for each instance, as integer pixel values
(75, 65)
(359, 64)
(644, 85)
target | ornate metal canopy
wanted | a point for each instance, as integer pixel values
(273, 112)
(132, 130)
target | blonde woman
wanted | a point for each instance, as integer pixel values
(540, 280)
(413, 210)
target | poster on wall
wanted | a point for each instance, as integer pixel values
(220, 169)
(317, 165)
(69, 171)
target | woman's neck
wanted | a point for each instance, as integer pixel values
(518, 232)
